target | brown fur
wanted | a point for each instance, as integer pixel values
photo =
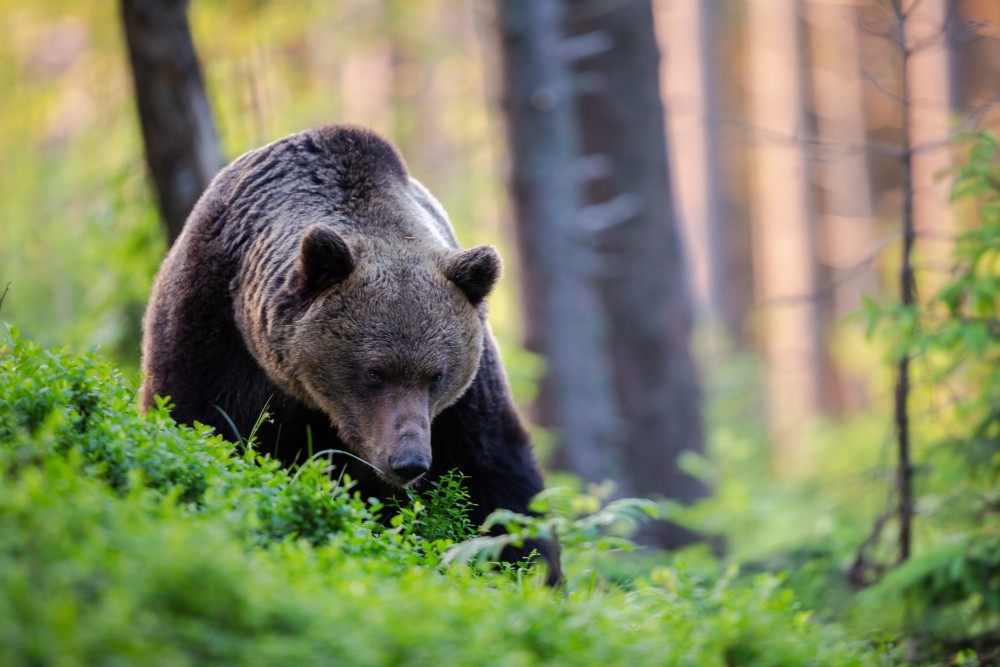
(315, 276)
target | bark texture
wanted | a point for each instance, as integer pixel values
(178, 130)
(642, 276)
(605, 289)
(564, 317)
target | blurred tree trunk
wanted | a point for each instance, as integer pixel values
(929, 108)
(689, 82)
(605, 287)
(641, 270)
(846, 231)
(407, 81)
(365, 71)
(182, 146)
(784, 256)
(564, 319)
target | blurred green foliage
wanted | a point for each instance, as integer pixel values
(79, 236)
(79, 239)
(950, 587)
(833, 528)
(123, 537)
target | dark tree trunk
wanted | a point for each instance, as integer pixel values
(605, 291)
(643, 278)
(564, 318)
(182, 146)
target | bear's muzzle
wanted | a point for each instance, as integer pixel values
(401, 434)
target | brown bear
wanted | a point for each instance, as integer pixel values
(317, 278)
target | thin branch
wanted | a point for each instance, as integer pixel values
(848, 275)
(909, 12)
(860, 567)
(757, 132)
(929, 42)
(880, 87)
(971, 121)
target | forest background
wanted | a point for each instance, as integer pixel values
(791, 130)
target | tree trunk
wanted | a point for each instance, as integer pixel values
(928, 70)
(365, 71)
(182, 147)
(641, 269)
(689, 82)
(605, 288)
(847, 231)
(784, 256)
(564, 316)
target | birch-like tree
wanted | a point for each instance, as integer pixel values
(785, 276)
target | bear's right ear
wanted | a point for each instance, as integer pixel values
(324, 258)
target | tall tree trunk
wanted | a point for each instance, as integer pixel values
(365, 71)
(784, 261)
(928, 69)
(182, 146)
(604, 276)
(689, 82)
(641, 271)
(846, 232)
(564, 316)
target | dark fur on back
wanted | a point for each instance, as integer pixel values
(224, 321)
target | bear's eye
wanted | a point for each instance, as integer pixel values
(436, 378)
(374, 376)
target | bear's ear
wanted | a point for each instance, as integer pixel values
(324, 258)
(475, 271)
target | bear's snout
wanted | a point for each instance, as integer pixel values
(400, 435)
(409, 465)
(411, 456)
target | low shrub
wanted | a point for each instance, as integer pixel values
(125, 539)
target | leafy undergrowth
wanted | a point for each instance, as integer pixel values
(125, 539)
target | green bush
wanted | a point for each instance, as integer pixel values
(950, 586)
(125, 539)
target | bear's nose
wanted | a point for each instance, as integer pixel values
(409, 465)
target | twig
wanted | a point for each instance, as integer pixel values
(847, 276)
(860, 566)
(758, 132)
(880, 87)
(971, 120)
(4, 296)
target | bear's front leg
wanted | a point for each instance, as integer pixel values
(482, 436)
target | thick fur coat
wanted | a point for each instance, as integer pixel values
(315, 277)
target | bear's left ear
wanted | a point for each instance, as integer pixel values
(324, 258)
(475, 271)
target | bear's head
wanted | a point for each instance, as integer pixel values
(390, 335)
